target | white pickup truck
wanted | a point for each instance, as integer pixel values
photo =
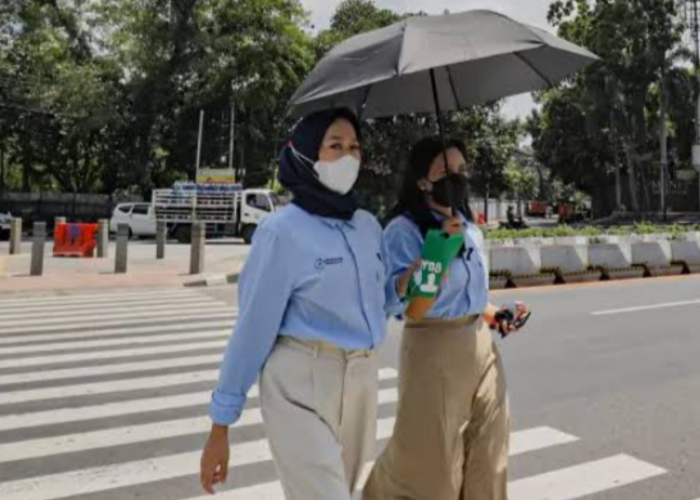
(226, 210)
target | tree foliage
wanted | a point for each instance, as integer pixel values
(106, 96)
(609, 114)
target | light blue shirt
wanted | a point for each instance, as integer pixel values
(465, 290)
(306, 277)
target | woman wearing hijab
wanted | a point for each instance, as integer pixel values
(311, 300)
(450, 441)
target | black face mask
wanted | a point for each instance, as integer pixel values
(449, 191)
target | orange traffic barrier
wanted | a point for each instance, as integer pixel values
(75, 240)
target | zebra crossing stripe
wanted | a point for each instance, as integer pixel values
(203, 324)
(584, 479)
(123, 321)
(110, 354)
(521, 442)
(59, 311)
(131, 407)
(7, 303)
(93, 389)
(102, 478)
(84, 441)
(92, 371)
(109, 410)
(89, 343)
(93, 317)
(537, 439)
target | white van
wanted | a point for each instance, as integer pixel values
(138, 216)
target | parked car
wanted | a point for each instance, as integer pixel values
(139, 217)
(5, 220)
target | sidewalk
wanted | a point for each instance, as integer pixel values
(222, 258)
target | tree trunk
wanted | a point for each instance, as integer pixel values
(486, 202)
(631, 175)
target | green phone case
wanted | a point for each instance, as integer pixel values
(439, 250)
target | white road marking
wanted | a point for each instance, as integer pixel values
(44, 447)
(537, 439)
(91, 371)
(9, 303)
(124, 321)
(90, 343)
(522, 442)
(60, 310)
(584, 479)
(94, 317)
(96, 479)
(204, 324)
(94, 389)
(647, 308)
(131, 407)
(110, 354)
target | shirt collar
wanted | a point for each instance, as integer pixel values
(338, 223)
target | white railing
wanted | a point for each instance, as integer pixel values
(172, 205)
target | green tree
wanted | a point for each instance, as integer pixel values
(607, 113)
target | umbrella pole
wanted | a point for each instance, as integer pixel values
(441, 128)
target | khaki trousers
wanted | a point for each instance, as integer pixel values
(452, 428)
(319, 409)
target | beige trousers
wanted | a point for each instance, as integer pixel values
(319, 409)
(452, 428)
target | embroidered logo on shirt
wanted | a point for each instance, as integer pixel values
(321, 263)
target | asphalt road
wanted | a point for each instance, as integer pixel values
(604, 386)
(623, 382)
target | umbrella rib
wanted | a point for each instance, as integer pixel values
(534, 69)
(452, 86)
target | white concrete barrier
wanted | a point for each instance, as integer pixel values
(567, 259)
(525, 260)
(686, 251)
(656, 254)
(611, 256)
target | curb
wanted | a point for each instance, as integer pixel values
(219, 280)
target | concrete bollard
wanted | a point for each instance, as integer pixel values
(122, 257)
(38, 244)
(161, 238)
(16, 237)
(199, 233)
(103, 239)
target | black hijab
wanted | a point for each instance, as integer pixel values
(298, 176)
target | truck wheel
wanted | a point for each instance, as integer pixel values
(248, 233)
(183, 234)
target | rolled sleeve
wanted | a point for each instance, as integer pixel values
(265, 287)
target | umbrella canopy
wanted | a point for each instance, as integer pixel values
(459, 60)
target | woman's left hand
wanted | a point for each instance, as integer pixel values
(511, 318)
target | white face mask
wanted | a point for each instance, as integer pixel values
(339, 176)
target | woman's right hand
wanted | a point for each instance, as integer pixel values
(215, 458)
(453, 226)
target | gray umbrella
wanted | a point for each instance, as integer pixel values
(434, 63)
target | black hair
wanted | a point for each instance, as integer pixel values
(412, 202)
